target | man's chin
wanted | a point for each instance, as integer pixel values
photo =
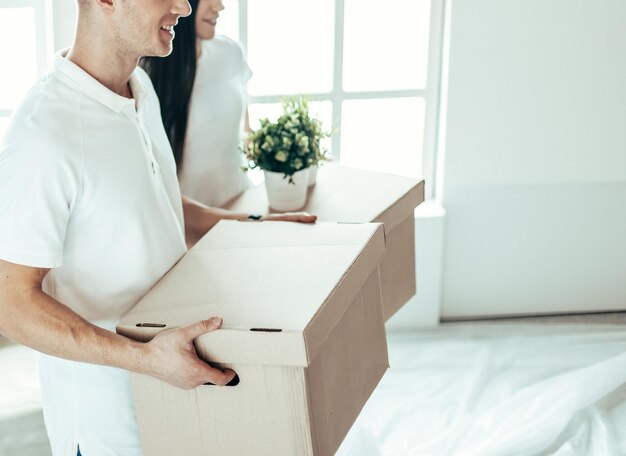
(162, 51)
(168, 52)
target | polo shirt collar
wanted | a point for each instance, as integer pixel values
(95, 89)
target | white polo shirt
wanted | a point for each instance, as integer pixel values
(88, 188)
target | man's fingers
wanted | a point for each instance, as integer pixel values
(221, 378)
(201, 327)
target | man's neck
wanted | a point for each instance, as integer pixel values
(106, 64)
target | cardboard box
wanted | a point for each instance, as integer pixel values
(344, 194)
(303, 328)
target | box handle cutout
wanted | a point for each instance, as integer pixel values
(269, 330)
(233, 382)
(150, 325)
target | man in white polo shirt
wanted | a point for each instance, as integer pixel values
(91, 217)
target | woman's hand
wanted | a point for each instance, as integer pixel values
(300, 217)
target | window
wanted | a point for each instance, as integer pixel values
(25, 49)
(371, 70)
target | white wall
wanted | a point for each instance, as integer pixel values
(535, 157)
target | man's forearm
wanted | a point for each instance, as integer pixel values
(35, 319)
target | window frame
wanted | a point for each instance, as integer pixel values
(43, 38)
(430, 94)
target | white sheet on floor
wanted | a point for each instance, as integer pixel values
(22, 430)
(498, 389)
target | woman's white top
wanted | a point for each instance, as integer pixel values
(88, 189)
(211, 171)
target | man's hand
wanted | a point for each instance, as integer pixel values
(301, 217)
(173, 358)
(31, 317)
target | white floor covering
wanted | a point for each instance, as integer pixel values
(462, 389)
(22, 431)
(499, 389)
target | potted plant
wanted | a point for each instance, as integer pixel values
(286, 151)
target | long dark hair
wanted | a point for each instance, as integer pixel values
(173, 79)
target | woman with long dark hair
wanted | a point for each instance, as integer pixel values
(202, 90)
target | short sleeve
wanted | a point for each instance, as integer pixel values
(39, 186)
(246, 72)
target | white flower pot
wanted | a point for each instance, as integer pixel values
(284, 196)
(312, 175)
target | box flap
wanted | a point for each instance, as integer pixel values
(278, 286)
(345, 194)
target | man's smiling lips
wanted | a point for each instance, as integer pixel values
(168, 29)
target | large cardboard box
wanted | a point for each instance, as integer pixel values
(344, 194)
(303, 328)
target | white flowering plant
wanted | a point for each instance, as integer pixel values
(290, 144)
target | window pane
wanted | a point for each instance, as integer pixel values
(228, 23)
(4, 122)
(258, 111)
(322, 110)
(383, 135)
(19, 54)
(385, 45)
(290, 46)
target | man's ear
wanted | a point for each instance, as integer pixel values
(106, 5)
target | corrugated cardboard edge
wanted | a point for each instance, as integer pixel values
(288, 347)
(146, 334)
(396, 213)
(346, 289)
(285, 348)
